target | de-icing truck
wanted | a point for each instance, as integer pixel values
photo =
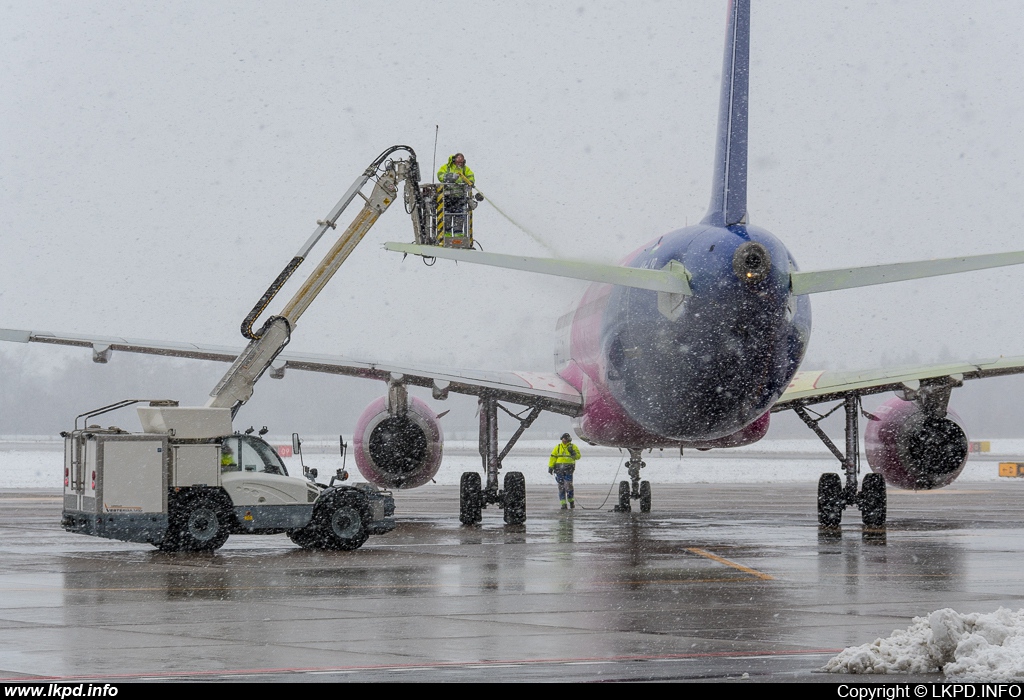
(187, 480)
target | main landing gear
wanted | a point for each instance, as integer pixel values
(833, 495)
(634, 489)
(474, 495)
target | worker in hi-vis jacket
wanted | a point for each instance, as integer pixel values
(562, 464)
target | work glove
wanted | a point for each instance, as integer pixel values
(551, 470)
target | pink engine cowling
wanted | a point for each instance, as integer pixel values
(912, 450)
(398, 452)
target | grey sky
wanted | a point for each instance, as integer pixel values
(161, 163)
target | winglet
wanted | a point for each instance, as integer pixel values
(673, 278)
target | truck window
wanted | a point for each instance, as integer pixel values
(258, 456)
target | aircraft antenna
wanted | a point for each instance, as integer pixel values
(433, 169)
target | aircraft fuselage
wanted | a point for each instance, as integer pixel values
(701, 370)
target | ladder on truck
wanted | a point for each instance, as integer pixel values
(236, 386)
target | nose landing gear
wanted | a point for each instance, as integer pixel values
(634, 489)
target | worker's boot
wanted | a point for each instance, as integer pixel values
(572, 505)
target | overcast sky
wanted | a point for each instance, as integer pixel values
(162, 162)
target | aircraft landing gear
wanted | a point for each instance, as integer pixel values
(634, 489)
(623, 505)
(474, 496)
(470, 499)
(833, 496)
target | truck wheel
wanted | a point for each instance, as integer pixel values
(303, 537)
(342, 522)
(198, 522)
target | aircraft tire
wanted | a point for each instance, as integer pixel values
(645, 497)
(830, 500)
(623, 505)
(515, 498)
(470, 492)
(873, 500)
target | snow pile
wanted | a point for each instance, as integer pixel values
(973, 647)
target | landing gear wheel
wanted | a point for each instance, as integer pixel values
(872, 500)
(515, 498)
(341, 522)
(830, 500)
(198, 522)
(623, 504)
(645, 497)
(470, 497)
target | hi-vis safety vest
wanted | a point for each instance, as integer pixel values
(564, 454)
(464, 173)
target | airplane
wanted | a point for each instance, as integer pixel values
(692, 341)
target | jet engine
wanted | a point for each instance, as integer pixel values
(912, 449)
(398, 450)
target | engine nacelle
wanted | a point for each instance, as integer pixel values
(912, 450)
(398, 452)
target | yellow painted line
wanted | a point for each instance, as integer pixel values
(745, 569)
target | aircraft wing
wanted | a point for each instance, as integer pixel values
(810, 387)
(546, 390)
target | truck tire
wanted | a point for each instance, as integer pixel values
(304, 537)
(197, 522)
(341, 521)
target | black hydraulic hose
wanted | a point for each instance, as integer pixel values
(267, 297)
(384, 156)
(421, 205)
(414, 175)
(290, 268)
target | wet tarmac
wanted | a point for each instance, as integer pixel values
(717, 582)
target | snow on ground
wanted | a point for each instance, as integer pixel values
(972, 647)
(27, 462)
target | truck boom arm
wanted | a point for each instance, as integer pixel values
(236, 386)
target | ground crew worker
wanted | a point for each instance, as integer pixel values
(458, 181)
(562, 464)
(227, 459)
(456, 167)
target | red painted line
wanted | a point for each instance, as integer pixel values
(434, 665)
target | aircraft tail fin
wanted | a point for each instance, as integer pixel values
(851, 277)
(729, 188)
